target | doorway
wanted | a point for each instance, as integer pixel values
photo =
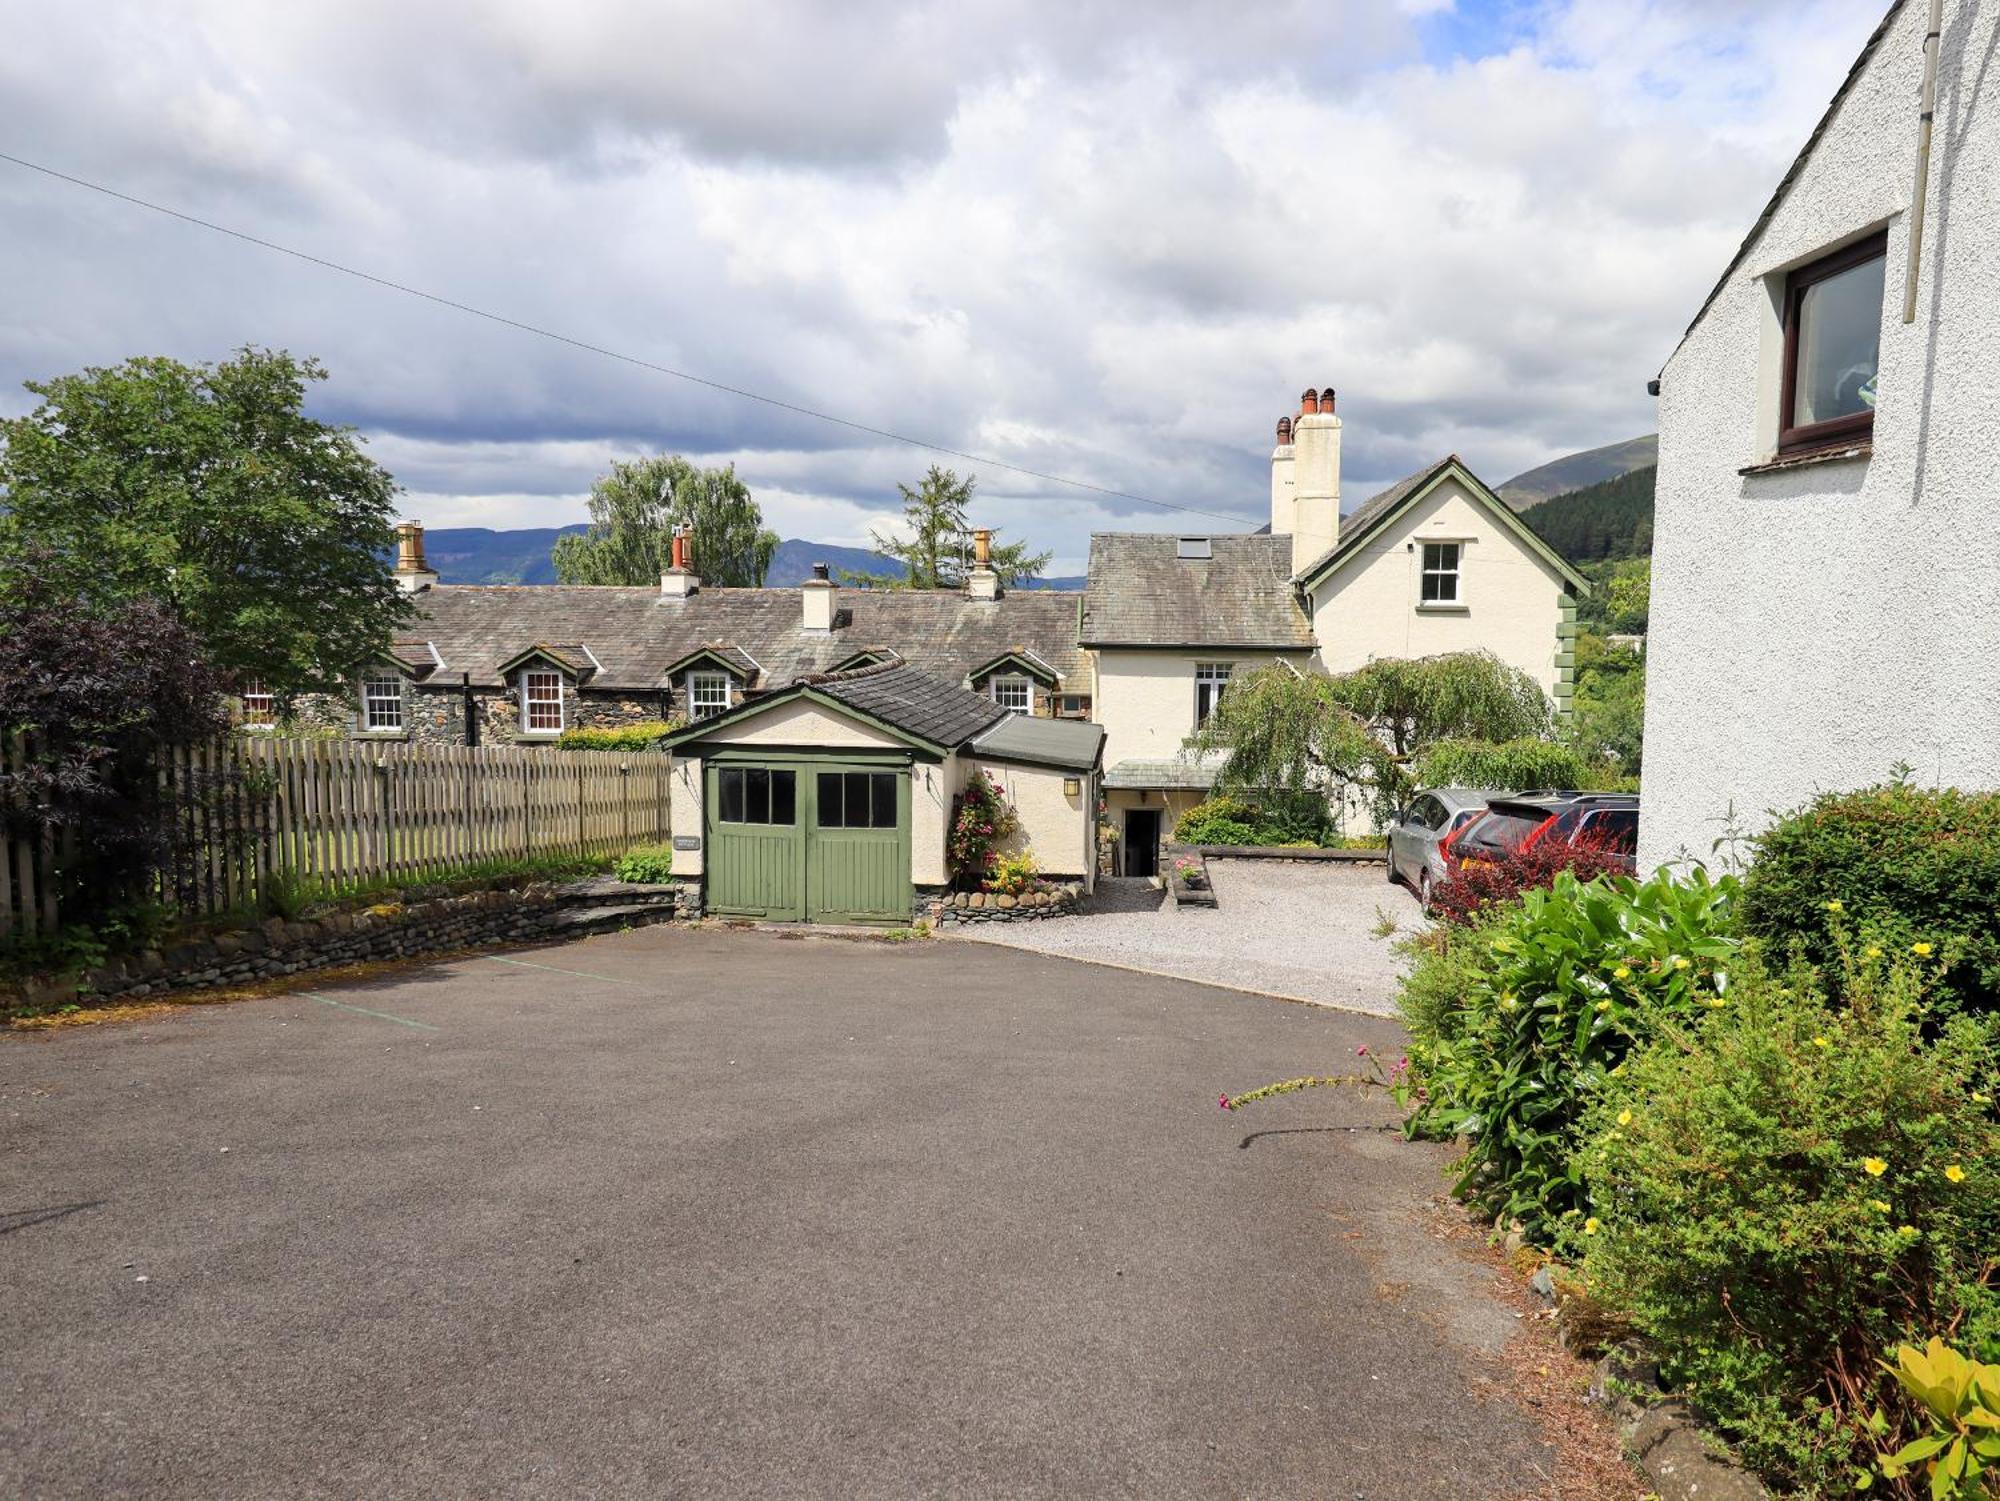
(1142, 841)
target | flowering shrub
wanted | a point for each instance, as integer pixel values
(1572, 978)
(1785, 1188)
(1013, 874)
(980, 821)
(1471, 890)
(643, 736)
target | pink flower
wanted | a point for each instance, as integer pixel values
(1225, 1102)
(1362, 1051)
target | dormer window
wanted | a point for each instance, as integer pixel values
(708, 694)
(541, 702)
(1016, 695)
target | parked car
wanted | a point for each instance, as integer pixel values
(1420, 836)
(1608, 820)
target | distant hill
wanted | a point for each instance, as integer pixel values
(1608, 521)
(481, 555)
(1578, 471)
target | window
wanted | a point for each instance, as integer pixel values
(541, 703)
(1194, 548)
(1210, 678)
(1833, 344)
(381, 703)
(857, 800)
(1426, 812)
(260, 705)
(1014, 694)
(708, 694)
(753, 794)
(1073, 706)
(1440, 581)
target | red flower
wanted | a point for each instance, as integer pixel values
(1225, 1102)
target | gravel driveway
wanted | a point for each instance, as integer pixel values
(1299, 930)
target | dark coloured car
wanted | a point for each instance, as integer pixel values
(1608, 821)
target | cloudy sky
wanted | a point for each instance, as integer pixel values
(1109, 241)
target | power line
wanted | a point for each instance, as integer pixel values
(610, 354)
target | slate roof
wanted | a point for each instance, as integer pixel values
(1073, 744)
(915, 702)
(1364, 518)
(1141, 594)
(635, 634)
(1195, 773)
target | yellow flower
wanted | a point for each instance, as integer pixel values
(1683, 962)
(1624, 1117)
(1834, 905)
(1874, 951)
(1908, 1232)
(1621, 973)
(1603, 1006)
(1874, 1167)
(1880, 1206)
(1821, 1042)
(1921, 950)
(1955, 1173)
(1981, 1099)
(1590, 1225)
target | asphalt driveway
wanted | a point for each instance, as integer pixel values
(731, 1214)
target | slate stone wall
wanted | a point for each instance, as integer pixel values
(434, 714)
(943, 908)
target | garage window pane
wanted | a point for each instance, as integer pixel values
(732, 795)
(857, 800)
(831, 803)
(882, 797)
(756, 795)
(784, 797)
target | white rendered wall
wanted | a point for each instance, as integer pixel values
(1813, 627)
(1055, 826)
(1510, 600)
(1145, 699)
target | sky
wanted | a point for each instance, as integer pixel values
(1102, 241)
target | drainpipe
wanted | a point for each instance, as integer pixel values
(1920, 199)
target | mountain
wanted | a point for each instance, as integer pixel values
(1578, 470)
(481, 555)
(1608, 521)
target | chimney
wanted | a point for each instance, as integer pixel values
(817, 593)
(412, 573)
(982, 582)
(1315, 466)
(680, 579)
(1284, 509)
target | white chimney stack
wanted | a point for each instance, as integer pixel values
(412, 573)
(1315, 479)
(817, 595)
(1284, 505)
(982, 582)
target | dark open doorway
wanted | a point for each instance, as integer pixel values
(1142, 841)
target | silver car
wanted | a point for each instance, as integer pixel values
(1417, 836)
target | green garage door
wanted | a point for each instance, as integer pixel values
(813, 840)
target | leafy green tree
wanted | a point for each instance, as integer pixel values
(634, 510)
(1359, 732)
(208, 488)
(1608, 712)
(934, 554)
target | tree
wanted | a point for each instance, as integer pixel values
(934, 554)
(97, 689)
(208, 489)
(634, 510)
(1358, 733)
(1608, 713)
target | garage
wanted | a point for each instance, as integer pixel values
(806, 839)
(828, 800)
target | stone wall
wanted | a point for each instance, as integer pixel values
(435, 713)
(429, 920)
(942, 908)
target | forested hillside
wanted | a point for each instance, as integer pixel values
(1608, 521)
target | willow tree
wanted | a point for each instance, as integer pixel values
(636, 507)
(1361, 732)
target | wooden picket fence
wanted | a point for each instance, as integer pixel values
(343, 814)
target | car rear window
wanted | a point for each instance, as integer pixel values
(1502, 831)
(1613, 829)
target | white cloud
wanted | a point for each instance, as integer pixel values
(1083, 239)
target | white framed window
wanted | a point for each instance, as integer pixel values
(1014, 695)
(381, 703)
(541, 703)
(260, 705)
(1440, 573)
(708, 694)
(1210, 678)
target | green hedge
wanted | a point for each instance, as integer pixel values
(1508, 765)
(1911, 864)
(1303, 819)
(643, 736)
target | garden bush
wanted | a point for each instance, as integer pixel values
(645, 864)
(1013, 874)
(1572, 979)
(1506, 765)
(1925, 863)
(1277, 819)
(1469, 891)
(644, 736)
(981, 820)
(1787, 1187)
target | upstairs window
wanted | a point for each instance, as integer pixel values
(1014, 695)
(541, 703)
(1440, 580)
(260, 705)
(1833, 345)
(708, 694)
(381, 703)
(1210, 678)
(1073, 706)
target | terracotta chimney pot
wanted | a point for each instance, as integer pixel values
(1309, 402)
